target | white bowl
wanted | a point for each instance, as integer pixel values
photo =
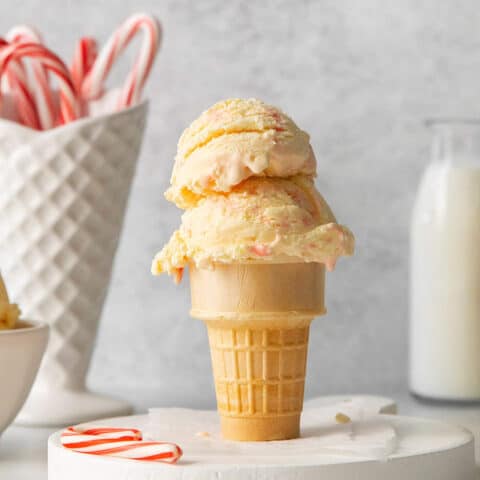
(21, 351)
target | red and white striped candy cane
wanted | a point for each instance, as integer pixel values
(16, 34)
(23, 33)
(39, 85)
(119, 442)
(92, 86)
(83, 59)
(17, 85)
(69, 109)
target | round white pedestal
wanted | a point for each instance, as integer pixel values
(60, 407)
(380, 447)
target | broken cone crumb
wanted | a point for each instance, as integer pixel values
(342, 418)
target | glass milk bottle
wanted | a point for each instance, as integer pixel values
(445, 268)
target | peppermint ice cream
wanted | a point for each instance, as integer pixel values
(244, 173)
(9, 312)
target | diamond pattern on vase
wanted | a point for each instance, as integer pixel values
(62, 205)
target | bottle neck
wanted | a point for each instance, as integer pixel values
(456, 143)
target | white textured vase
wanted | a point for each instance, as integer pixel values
(62, 202)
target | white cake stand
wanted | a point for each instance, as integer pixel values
(380, 447)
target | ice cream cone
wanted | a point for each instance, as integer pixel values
(258, 318)
(257, 236)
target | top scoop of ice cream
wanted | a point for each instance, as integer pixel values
(260, 220)
(9, 312)
(244, 173)
(232, 141)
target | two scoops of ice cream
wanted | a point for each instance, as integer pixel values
(257, 237)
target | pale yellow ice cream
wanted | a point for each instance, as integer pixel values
(234, 140)
(244, 173)
(9, 312)
(261, 220)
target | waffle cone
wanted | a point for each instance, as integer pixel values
(258, 318)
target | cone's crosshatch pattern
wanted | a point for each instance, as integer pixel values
(62, 205)
(259, 371)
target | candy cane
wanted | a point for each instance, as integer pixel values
(119, 442)
(43, 94)
(51, 62)
(92, 86)
(17, 83)
(83, 60)
(21, 33)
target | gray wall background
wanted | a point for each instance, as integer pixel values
(360, 76)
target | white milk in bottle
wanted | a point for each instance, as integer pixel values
(445, 268)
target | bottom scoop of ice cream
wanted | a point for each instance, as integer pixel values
(261, 220)
(9, 312)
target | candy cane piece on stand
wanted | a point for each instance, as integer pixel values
(14, 81)
(119, 442)
(92, 86)
(69, 109)
(39, 85)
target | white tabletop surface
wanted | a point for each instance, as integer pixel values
(23, 451)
